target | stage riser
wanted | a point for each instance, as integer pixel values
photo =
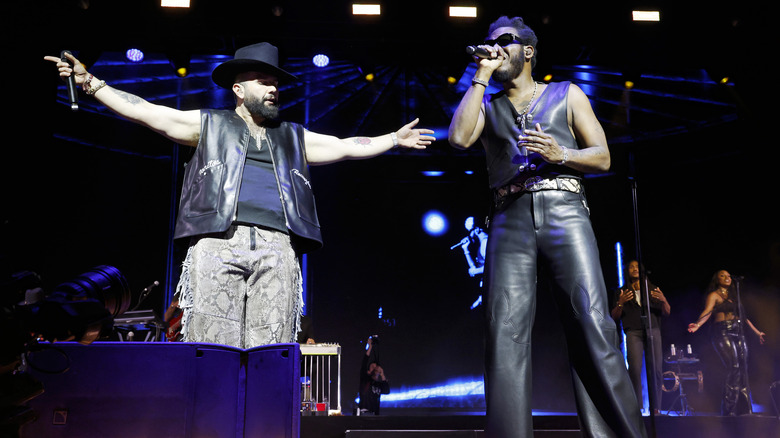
(544, 427)
(451, 434)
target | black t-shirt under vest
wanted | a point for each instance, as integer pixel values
(259, 202)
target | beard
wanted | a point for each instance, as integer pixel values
(257, 107)
(502, 75)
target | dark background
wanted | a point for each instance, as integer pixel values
(85, 189)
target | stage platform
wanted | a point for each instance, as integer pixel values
(173, 390)
(545, 426)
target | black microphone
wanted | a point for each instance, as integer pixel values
(738, 277)
(477, 51)
(71, 82)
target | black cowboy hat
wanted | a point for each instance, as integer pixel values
(262, 57)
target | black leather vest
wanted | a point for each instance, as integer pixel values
(212, 179)
(501, 132)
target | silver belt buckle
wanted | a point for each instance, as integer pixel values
(530, 183)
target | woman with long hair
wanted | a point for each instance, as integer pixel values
(722, 305)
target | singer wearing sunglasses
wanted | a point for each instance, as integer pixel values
(539, 140)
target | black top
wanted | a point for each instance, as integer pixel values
(631, 318)
(259, 202)
(727, 306)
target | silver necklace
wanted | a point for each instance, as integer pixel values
(523, 116)
(521, 120)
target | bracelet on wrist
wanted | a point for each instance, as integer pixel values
(565, 155)
(94, 89)
(394, 138)
(475, 81)
(85, 85)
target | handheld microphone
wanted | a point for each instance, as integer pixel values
(477, 51)
(71, 83)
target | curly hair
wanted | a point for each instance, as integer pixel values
(526, 34)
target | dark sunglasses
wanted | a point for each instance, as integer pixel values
(504, 40)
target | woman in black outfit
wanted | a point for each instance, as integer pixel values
(728, 342)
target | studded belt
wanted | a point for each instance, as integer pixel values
(535, 184)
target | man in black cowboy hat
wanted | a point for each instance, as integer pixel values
(247, 204)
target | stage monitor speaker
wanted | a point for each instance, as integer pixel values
(273, 396)
(168, 389)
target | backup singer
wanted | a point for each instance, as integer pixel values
(629, 303)
(539, 139)
(728, 341)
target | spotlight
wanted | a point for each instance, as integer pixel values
(180, 63)
(175, 3)
(463, 11)
(366, 9)
(631, 76)
(320, 60)
(134, 55)
(646, 15)
(719, 75)
(435, 223)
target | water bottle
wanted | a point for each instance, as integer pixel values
(674, 351)
(690, 351)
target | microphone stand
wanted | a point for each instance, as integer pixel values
(743, 356)
(646, 320)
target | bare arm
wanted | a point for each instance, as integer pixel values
(325, 149)
(469, 118)
(180, 126)
(705, 314)
(761, 335)
(593, 153)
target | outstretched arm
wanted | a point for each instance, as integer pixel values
(761, 335)
(705, 314)
(180, 126)
(325, 149)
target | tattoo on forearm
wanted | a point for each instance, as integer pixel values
(129, 98)
(362, 141)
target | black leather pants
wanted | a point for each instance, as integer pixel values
(730, 346)
(552, 227)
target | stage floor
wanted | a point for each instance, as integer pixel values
(545, 426)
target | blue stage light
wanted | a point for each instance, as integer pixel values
(134, 55)
(435, 223)
(320, 60)
(619, 261)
